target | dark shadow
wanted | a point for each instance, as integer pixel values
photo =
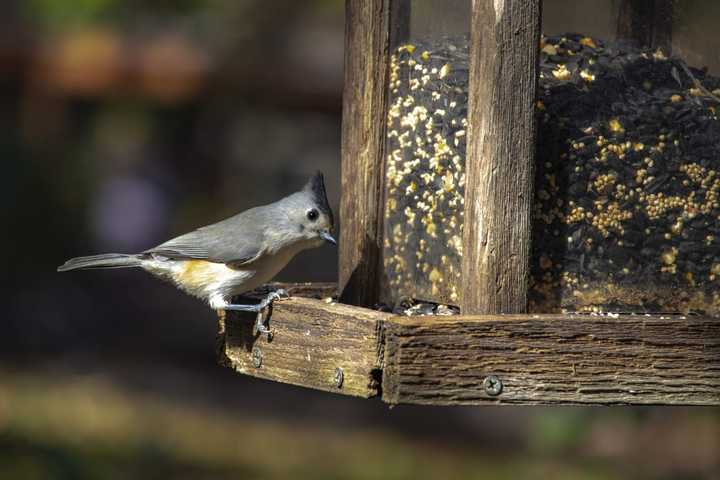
(363, 286)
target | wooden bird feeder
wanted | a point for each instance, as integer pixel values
(555, 197)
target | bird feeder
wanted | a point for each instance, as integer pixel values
(523, 181)
(625, 168)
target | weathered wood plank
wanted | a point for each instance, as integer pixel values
(367, 39)
(311, 340)
(648, 23)
(553, 359)
(500, 155)
(302, 289)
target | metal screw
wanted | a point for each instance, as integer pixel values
(493, 385)
(257, 357)
(339, 377)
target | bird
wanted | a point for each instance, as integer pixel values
(220, 261)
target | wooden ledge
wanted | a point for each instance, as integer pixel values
(553, 359)
(472, 360)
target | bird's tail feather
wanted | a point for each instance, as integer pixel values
(106, 260)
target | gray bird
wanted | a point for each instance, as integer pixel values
(236, 255)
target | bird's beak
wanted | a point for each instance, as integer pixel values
(325, 235)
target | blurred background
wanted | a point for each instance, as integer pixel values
(126, 122)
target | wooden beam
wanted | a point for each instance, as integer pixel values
(367, 43)
(504, 46)
(552, 359)
(326, 346)
(485, 359)
(647, 23)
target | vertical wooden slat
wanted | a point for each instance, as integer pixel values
(368, 31)
(501, 148)
(648, 23)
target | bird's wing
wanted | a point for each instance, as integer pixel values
(234, 240)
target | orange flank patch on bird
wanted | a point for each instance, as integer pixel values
(197, 273)
(199, 277)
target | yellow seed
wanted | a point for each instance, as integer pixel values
(588, 42)
(616, 126)
(434, 275)
(669, 256)
(444, 70)
(587, 76)
(550, 49)
(561, 72)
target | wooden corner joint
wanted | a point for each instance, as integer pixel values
(314, 343)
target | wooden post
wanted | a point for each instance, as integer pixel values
(367, 43)
(501, 149)
(648, 23)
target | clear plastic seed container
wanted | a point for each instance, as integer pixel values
(627, 189)
(627, 193)
(426, 128)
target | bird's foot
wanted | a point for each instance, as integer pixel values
(261, 327)
(268, 300)
(272, 296)
(261, 319)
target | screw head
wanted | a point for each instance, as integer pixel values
(257, 357)
(339, 377)
(493, 385)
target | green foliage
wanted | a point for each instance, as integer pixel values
(558, 430)
(55, 14)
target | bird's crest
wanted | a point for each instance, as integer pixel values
(316, 187)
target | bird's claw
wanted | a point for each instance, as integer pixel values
(274, 295)
(260, 325)
(282, 293)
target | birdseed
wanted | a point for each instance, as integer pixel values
(627, 190)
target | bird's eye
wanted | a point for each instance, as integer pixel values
(312, 215)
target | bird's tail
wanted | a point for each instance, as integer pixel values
(107, 260)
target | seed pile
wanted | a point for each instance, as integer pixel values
(627, 207)
(412, 308)
(627, 200)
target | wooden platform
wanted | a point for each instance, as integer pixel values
(472, 360)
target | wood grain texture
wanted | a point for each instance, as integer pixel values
(297, 289)
(367, 40)
(553, 359)
(647, 23)
(500, 155)
(311, 339)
